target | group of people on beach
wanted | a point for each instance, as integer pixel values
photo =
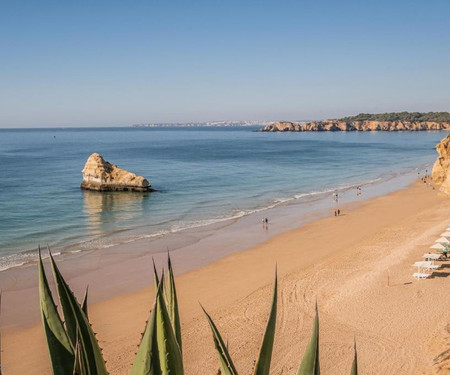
(337, 211)
(427, 180)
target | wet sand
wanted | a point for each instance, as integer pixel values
(342, 262)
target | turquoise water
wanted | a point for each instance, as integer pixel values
(203, 175)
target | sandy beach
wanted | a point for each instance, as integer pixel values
(357, 266)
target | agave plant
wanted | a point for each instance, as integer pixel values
(309, 364)
(160, 348)
(74, 349)
(72, 344)
(262, 366)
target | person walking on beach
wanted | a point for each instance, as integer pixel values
(339, 212)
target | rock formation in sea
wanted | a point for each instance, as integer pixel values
(100, 175)
(337, 125)
(441, 168)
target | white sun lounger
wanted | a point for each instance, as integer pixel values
(421, 275)
(422, 263)
(431, 256)
(426, 265)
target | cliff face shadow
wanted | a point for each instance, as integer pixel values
(102, 209)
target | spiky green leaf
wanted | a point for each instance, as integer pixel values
(226, 364)
(310, 363)
(155, 278)
(60, 349)
(262, 366)
(84, 306)
(171, 359)
(80, 366)
(75, 317)
(354, 370)
(173, 304)
(147, 361)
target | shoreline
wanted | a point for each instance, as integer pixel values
(192, 247)
(380, 185)
(227, 285)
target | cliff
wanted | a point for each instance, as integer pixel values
(441, 168)
(338, 125)
(282, 126)
(100, 175)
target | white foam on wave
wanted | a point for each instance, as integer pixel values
(16, 260)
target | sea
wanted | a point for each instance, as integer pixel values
(202, 176)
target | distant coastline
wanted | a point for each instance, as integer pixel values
(397, 121)
(202, 124)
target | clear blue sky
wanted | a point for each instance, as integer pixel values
(81, 63)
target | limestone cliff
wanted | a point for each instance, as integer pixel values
(283, 126)
(441, 168)
(100, 175)
(337, 125)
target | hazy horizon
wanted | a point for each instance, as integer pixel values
(118, 64)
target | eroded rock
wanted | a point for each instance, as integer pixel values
(337, 125)
(441, 168)
(100, 175)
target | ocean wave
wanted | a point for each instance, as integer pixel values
(21, 259)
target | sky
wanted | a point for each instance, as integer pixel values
(116, 63)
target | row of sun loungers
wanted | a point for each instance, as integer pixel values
(426, 267)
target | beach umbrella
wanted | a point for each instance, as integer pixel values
(442, 240)
(437, 246)
(445, 234)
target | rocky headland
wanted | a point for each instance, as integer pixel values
(100, 175)
(337, 125)
(394, 121)
(441, 168)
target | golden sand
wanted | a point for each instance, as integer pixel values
(357, 266)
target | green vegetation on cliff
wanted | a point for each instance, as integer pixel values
(401, 116)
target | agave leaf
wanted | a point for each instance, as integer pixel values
(265, 353)
(155, 277)
(171, 359)
(84, 306)
(80, 367)
(354, 370)
(226, 364)
(310, 363)
(75, 318)
(146, 361)
(61, 351)
(173, 304)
